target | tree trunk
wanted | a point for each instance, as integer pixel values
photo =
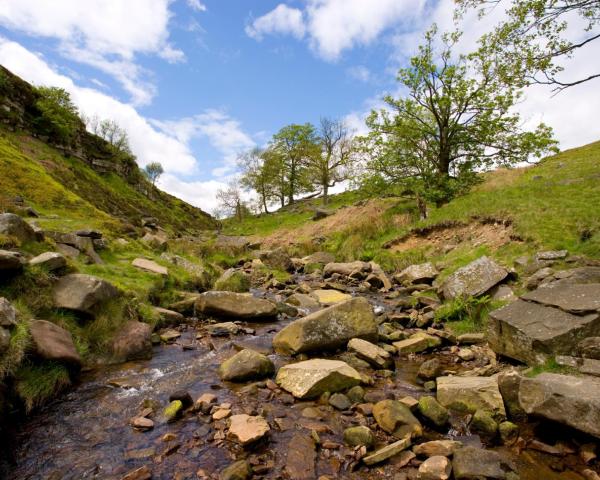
(325, 193)
(422, 206)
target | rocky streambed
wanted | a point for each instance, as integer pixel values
(409, 401)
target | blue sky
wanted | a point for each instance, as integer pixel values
(197, 81)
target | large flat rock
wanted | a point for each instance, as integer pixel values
(329, 328)
(471, 394)
(235, 305)
(311, 378)
(476, 278)
(572, 401)
(571, 298)
(530, 332)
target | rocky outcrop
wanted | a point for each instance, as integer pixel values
(311, 378)
(475, 279)
(329, 328)
(132, 342)
(235, 305)
(469, 394)
(14, 226)
(82, 293)
(52, 342)
(573, 298)
(572, 401)
(246, 365)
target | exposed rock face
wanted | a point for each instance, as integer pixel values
(577, 299)
(475, 279)
(312, 378)
(14, 226)
(346, 269)
(235, 305)
(150, 266)
(233, 280)
(470, 394)
(329, 297)
(470, 463)
(52, 342)
(277, 259)
(245, 365)
(396, 418)
(82, 293)
(573, 401)
(371, 353)
(132, 342)
(50, 261)
(247, 429)
(423, 273)
(11, 261)
(530, 332)
(329, 328)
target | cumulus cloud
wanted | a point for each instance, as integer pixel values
(196, 5)
(360, 73)
(333, 26)
(151, 140)
(100, 33)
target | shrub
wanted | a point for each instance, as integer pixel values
(59, 118)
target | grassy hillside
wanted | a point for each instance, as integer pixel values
(553, 205)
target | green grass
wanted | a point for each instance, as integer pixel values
(550, 366)
(36, 384)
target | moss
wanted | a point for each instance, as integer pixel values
(233, 281)
(173, 411)
(36, 384)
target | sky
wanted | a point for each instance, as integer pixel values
(197, 82)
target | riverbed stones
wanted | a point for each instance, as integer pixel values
(445, 448)
(302, 300)
(82, 293)
(433, 411)
(312, 378)
(223, 329)
(345, 269)
(52, 342)
(235, 305)
(240, 470)
(376, 356)
(50, 261)
(360, 435)
(329, 328)
(396, 418)
(173, 411)
(422, 273)
(14, 226)
(329, 297)
(132, 342)
(576, 299)
(437, 467)
(142, 423)
(430, 369)
(277, 259)
(418, 342)
(570, 400)
(169, 317)
(246, 365)
(340, 401)
(388, 451)
(246, 429)
(300, 459)
(471, 463)
(475, 279)
(484, 424)
(531, 332)
(470, 394)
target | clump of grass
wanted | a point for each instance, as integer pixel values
(466, 314)
(549, 366)
(36, 384)
(33, 279)
(15, 353)
(108, 319)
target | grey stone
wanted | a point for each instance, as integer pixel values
(8, 313)
(233, 280)
(396, 418)
(50, 260)
(277, 259)
(551, 255)
(52, 342)
(589, 348)
(345, 269)
(132, 342)
(577, 299)
(11, 261)
(82, 293)
(475, 279)
(471, 463)
(14, 226)
(246, 365)
(223, 329)
(236, 305)
(423, 273)
(340, 401)
(471, 394)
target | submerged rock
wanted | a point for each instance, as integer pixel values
(329, 328)
(246, 365)
(300, 459)
(235, 305)
(475, 279)
(311, 378)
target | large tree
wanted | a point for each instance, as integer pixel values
(260, 172)
(296, 143)
(455, 119)
(536, 36)
(153, 171)
(331, 163)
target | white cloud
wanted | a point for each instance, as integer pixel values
(282, 20)
(168, 145)
(360, 73)
(106, 34)
(196, 5)
(333, 26)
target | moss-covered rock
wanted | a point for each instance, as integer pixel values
(233, 281)
(246, 365)
(361, 435)
(173, 411)
(431, 409)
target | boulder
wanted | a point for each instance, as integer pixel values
(14, 226)
(445, 448)
(378, 278)
(483, 424)
(311, 378)
(82, 292)
(471, 394)
(51, 261)
(11, 261)
(371, 353)
(572, 401)
(396, 418)
(435, 468)
(233, 280)
(431, 410)
(423, 273)
(67, 250)
(418, 342)
(329, 297)
(387, 452)
(246, 365)
(246, 429)
(235, 305)
(302, 300)
(329, 328)
(157, 240)
(223, 329)
(169, 317)
(476, 463)
(346, 269)
(573, 298)
(150, 266)
(360, 435)
(340, 401)
(531, 333)
(8, 313)
(430, 369)
(232, 244)
(132, 342)
(509, 383)
(52, 342)
(475, 279)
(277, 259)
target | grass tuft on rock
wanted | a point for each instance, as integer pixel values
(36, 384)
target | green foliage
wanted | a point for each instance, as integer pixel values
(59, 118)
(467, 314)
(153, 171)
(36, 384)
(19, 341)
(550, 366)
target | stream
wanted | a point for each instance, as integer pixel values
(86, 432)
